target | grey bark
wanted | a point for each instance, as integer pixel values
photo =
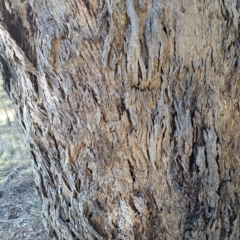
(131, 112)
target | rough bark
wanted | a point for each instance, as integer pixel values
(131, 112)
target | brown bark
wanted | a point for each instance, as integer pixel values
(131, 113)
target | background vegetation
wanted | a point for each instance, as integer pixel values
(20, 208)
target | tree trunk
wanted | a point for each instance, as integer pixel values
(131, 112)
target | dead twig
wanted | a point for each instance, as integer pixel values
(14, 220)
(8, 119)
(11, 176)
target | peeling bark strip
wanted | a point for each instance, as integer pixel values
(131, 112)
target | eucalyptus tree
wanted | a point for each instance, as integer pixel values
(130, 110)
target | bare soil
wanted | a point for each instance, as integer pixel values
(20, 211)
